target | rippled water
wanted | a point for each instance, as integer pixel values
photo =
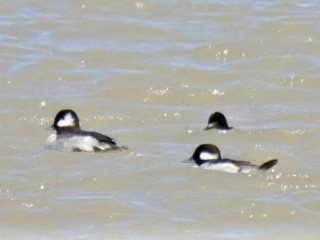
(149, 74)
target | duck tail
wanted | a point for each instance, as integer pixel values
(267, 165)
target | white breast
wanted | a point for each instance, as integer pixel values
(51, 141)
(224, 167)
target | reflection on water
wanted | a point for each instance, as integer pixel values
(149, 74)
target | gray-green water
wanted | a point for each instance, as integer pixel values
(149, 74)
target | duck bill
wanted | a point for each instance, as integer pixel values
(210, 126)
(189, 160)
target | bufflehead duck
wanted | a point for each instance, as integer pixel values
(217, 120)
(208, 156)
(70, 138)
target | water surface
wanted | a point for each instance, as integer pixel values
(149, 74)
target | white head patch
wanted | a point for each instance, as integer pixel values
(67, 121)
(208, 156)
